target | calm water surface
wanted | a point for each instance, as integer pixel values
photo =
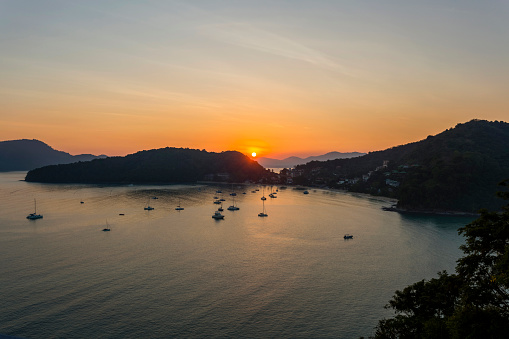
(165, 273)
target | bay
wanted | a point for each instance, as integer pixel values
(167, 273)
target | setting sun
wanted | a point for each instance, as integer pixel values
(253, 154)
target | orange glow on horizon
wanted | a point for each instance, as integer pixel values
(248, 85)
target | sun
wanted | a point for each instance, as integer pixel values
(253, 154)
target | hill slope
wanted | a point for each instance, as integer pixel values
(294, 161)
(24, 155)
(165, 165)
(458, 169)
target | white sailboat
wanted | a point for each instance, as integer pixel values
(33, 216)
(107, 228)
(148, 207)
(263, 214)
(233, 207)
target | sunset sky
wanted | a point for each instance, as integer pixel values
(276, 77)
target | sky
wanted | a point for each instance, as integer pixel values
(278, 77)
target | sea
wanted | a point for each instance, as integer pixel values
(164, 273)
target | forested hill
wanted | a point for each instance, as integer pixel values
(165, 165)
(456, 170)
(24, 155)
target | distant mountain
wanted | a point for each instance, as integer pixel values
(294, 161)
(24, 155)
(165, 165)
(456, 170)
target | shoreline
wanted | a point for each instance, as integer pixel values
(431, 212)
(394, 201)
(441, 213)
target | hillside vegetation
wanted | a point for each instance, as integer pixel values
(471, 303)
(165, 165)
(457, 170)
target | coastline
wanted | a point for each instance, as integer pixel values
(435, 212)
(393, 208)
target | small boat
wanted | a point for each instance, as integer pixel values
(216, 198)
(155, 198)
(148, 207)
(121, 214)
(272, 195)
(219, 191)
(222, 199)
(217, 202)
(220, 209)
(217, 215)
(263, 214)
(305, 192)
(233, 194)
(233, 207)
(107, 228)
(348, 236)
(33, 216)
(82, 202)
(178, 208)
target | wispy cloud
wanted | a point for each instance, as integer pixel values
(248, 36)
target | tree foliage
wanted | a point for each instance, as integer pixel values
(474, 302)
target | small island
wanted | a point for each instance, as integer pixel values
(158, 166)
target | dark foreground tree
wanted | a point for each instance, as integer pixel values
(474, 302)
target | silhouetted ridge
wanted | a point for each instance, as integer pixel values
(294, 161)
(23, 155)
(165, 165)
(458, 169)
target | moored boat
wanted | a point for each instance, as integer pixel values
(217, 215)
(33, 216)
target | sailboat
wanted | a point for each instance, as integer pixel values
(233, 192)
(148, 208)
(263, 194)
(33, 216)
(272, 194)
(263, 214)
(107, 228)
(178, 208)
(233, 207)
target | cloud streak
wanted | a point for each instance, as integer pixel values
(250, 37)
